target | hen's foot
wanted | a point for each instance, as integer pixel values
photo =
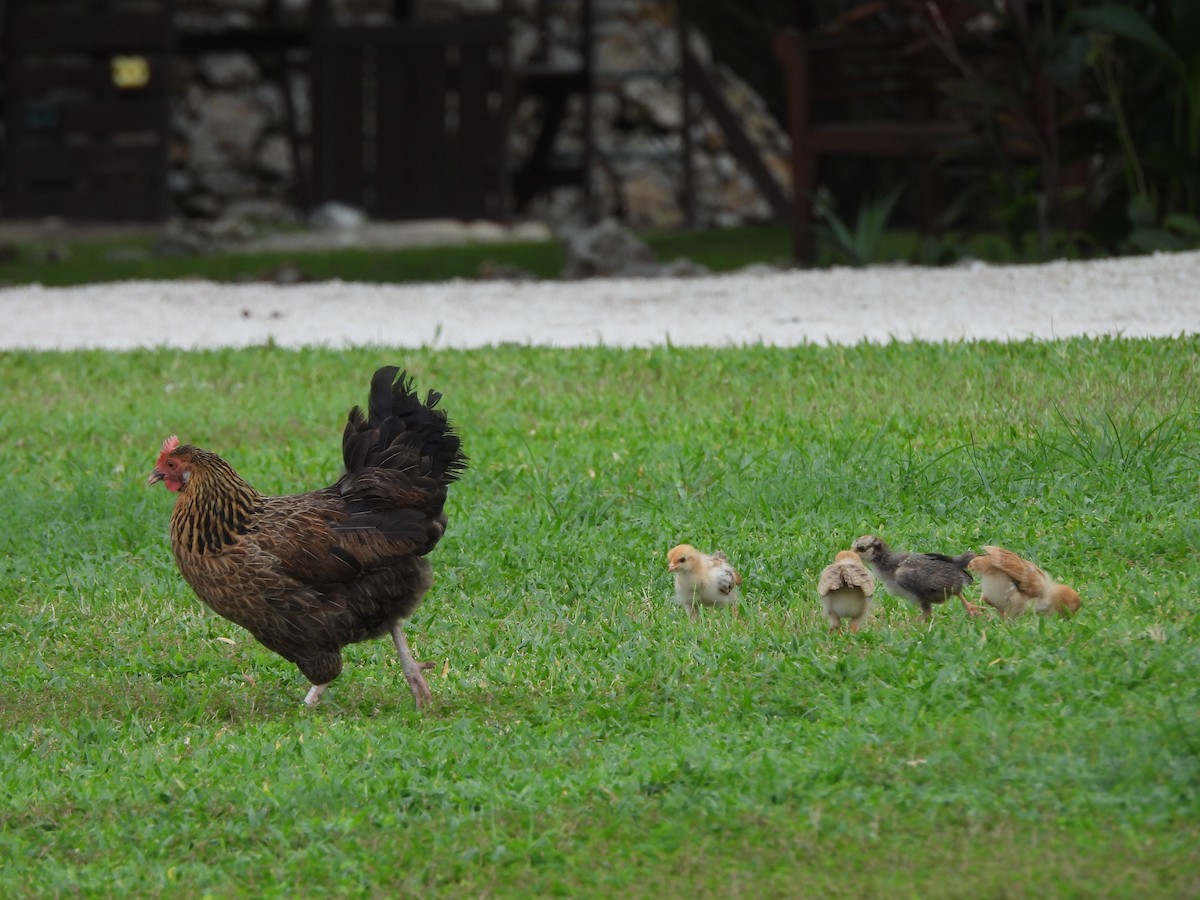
(412, 669)
(417, 683)
(314, 694)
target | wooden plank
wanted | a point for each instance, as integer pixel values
(32, 161)
(416, 175)
(480, 143)
(45, 31)
(887, 138)
(97, 119)
(90, 76)
(696, 77)
(426, 113)
(338, 122)
(119, 203)
(425, 33)
(93, 182)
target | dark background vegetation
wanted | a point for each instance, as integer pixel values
(1107, 90)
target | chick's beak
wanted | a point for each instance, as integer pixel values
(155, 477)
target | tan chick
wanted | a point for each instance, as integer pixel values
(846, 588)
(702, 580)
(1014, 585)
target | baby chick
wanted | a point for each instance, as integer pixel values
(701, 579)
(920, 578)
(845, 588)
(1014, 585)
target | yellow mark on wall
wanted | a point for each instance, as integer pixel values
(130, 72)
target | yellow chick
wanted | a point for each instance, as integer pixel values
(702, 580)
(1014, 585)
(846, 588)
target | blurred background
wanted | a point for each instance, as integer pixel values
(1056, 126)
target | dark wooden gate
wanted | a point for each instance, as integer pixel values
(410, 120)
(85, 109)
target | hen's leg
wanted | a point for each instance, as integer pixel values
(412, 668)
(314, 694)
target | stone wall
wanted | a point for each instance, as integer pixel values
(231, 155)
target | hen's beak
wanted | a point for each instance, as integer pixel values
(155, 477)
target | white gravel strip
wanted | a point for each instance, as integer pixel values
(1147, 296)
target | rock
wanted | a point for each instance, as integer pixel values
(275, 157)
(227, 182)
(285, 273)
(604, 250)
(244, 219)
(652, 198)
(607, 250)
(228, 70)
(127, 254)
(490, 270)
(334, 216)
(657, 105)
(682, 268)
(232, 123)
(179, 243)
(759, 269)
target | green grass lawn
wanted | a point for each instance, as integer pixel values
(87, 261)
(94, 260)
(585, 738)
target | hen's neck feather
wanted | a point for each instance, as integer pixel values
(215, 507)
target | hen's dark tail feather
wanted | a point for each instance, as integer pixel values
(396, 424)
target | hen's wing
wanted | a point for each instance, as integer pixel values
(325, 538)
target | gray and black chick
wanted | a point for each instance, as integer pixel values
(920, 578)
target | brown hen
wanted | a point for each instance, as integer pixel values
(307, 574)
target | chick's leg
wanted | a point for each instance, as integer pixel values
(973, 609)
(412, 668)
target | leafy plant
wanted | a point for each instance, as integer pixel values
(857, 244)
(1146, 59)
(1017, 84)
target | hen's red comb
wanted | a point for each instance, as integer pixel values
(168, 447)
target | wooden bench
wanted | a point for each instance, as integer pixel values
(872, 94)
